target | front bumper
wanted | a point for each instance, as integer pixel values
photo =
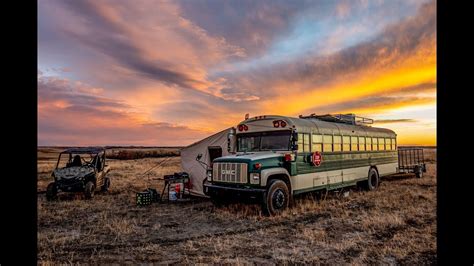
(226, 191)
(70, 186)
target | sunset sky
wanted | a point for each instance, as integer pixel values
(167, 73)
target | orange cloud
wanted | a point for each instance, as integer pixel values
(166, 74)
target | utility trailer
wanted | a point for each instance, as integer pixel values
(411, 160)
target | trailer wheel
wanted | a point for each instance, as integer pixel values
(89, 190)
(276, 199)
(418, 172)
(373, 179)
(51, 192)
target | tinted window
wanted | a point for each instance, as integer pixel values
(381, 144)
(388, 144)
(369, 144)
(303, 142)
(353, 143)
(375, 142)
(306, 143)
(346, 143)
(337, 143)
(262, 141)
(361, 143)
(317, 142)
(327, 143)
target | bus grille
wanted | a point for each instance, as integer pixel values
(230, 172)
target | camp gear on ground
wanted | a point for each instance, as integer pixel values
(143, 198)
(147, 197)
(180, 178)
(172, 195)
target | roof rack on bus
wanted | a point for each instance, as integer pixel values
(340, 118)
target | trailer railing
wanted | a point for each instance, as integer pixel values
(411, 160)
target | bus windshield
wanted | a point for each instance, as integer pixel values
(264, 141)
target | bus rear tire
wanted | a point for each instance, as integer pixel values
(276, 199)
(373, 179)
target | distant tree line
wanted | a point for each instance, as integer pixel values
(140, 154)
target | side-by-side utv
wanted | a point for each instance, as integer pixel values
(80, 170)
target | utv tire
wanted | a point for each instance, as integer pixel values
(89, 190)
(373, 179)
(276, 199)
(106, 185)
(51, 192)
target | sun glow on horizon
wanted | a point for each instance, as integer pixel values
(171, 73)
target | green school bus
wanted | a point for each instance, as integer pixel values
(275, 157)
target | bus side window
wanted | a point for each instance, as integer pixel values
(361, 143)
(346, 143)
(375, 144)
(369, 143)
(300, 142)
(306, 144)
(327, 143)
(303, 142)
(354, 144)
(388, 144)
(381, 144)
(394, 144)
(317, 143)
(337, 143)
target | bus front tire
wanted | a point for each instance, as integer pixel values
(373, 179)
(276, 199)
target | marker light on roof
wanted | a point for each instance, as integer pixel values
(276, 123)
(282, 123)
(246, 127)
(241, 127)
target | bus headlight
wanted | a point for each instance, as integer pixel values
(254, 178)
(209, 176)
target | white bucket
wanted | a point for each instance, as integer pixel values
(172, 195)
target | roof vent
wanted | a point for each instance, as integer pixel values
(340, 118)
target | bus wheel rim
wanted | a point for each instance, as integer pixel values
(278, 199)
(373, 180)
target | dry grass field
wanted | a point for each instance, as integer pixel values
(394, 225)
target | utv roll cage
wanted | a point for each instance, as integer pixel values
(98, 154)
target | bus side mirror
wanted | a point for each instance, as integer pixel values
(231, 141)
(294, 141)
(294, 136)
